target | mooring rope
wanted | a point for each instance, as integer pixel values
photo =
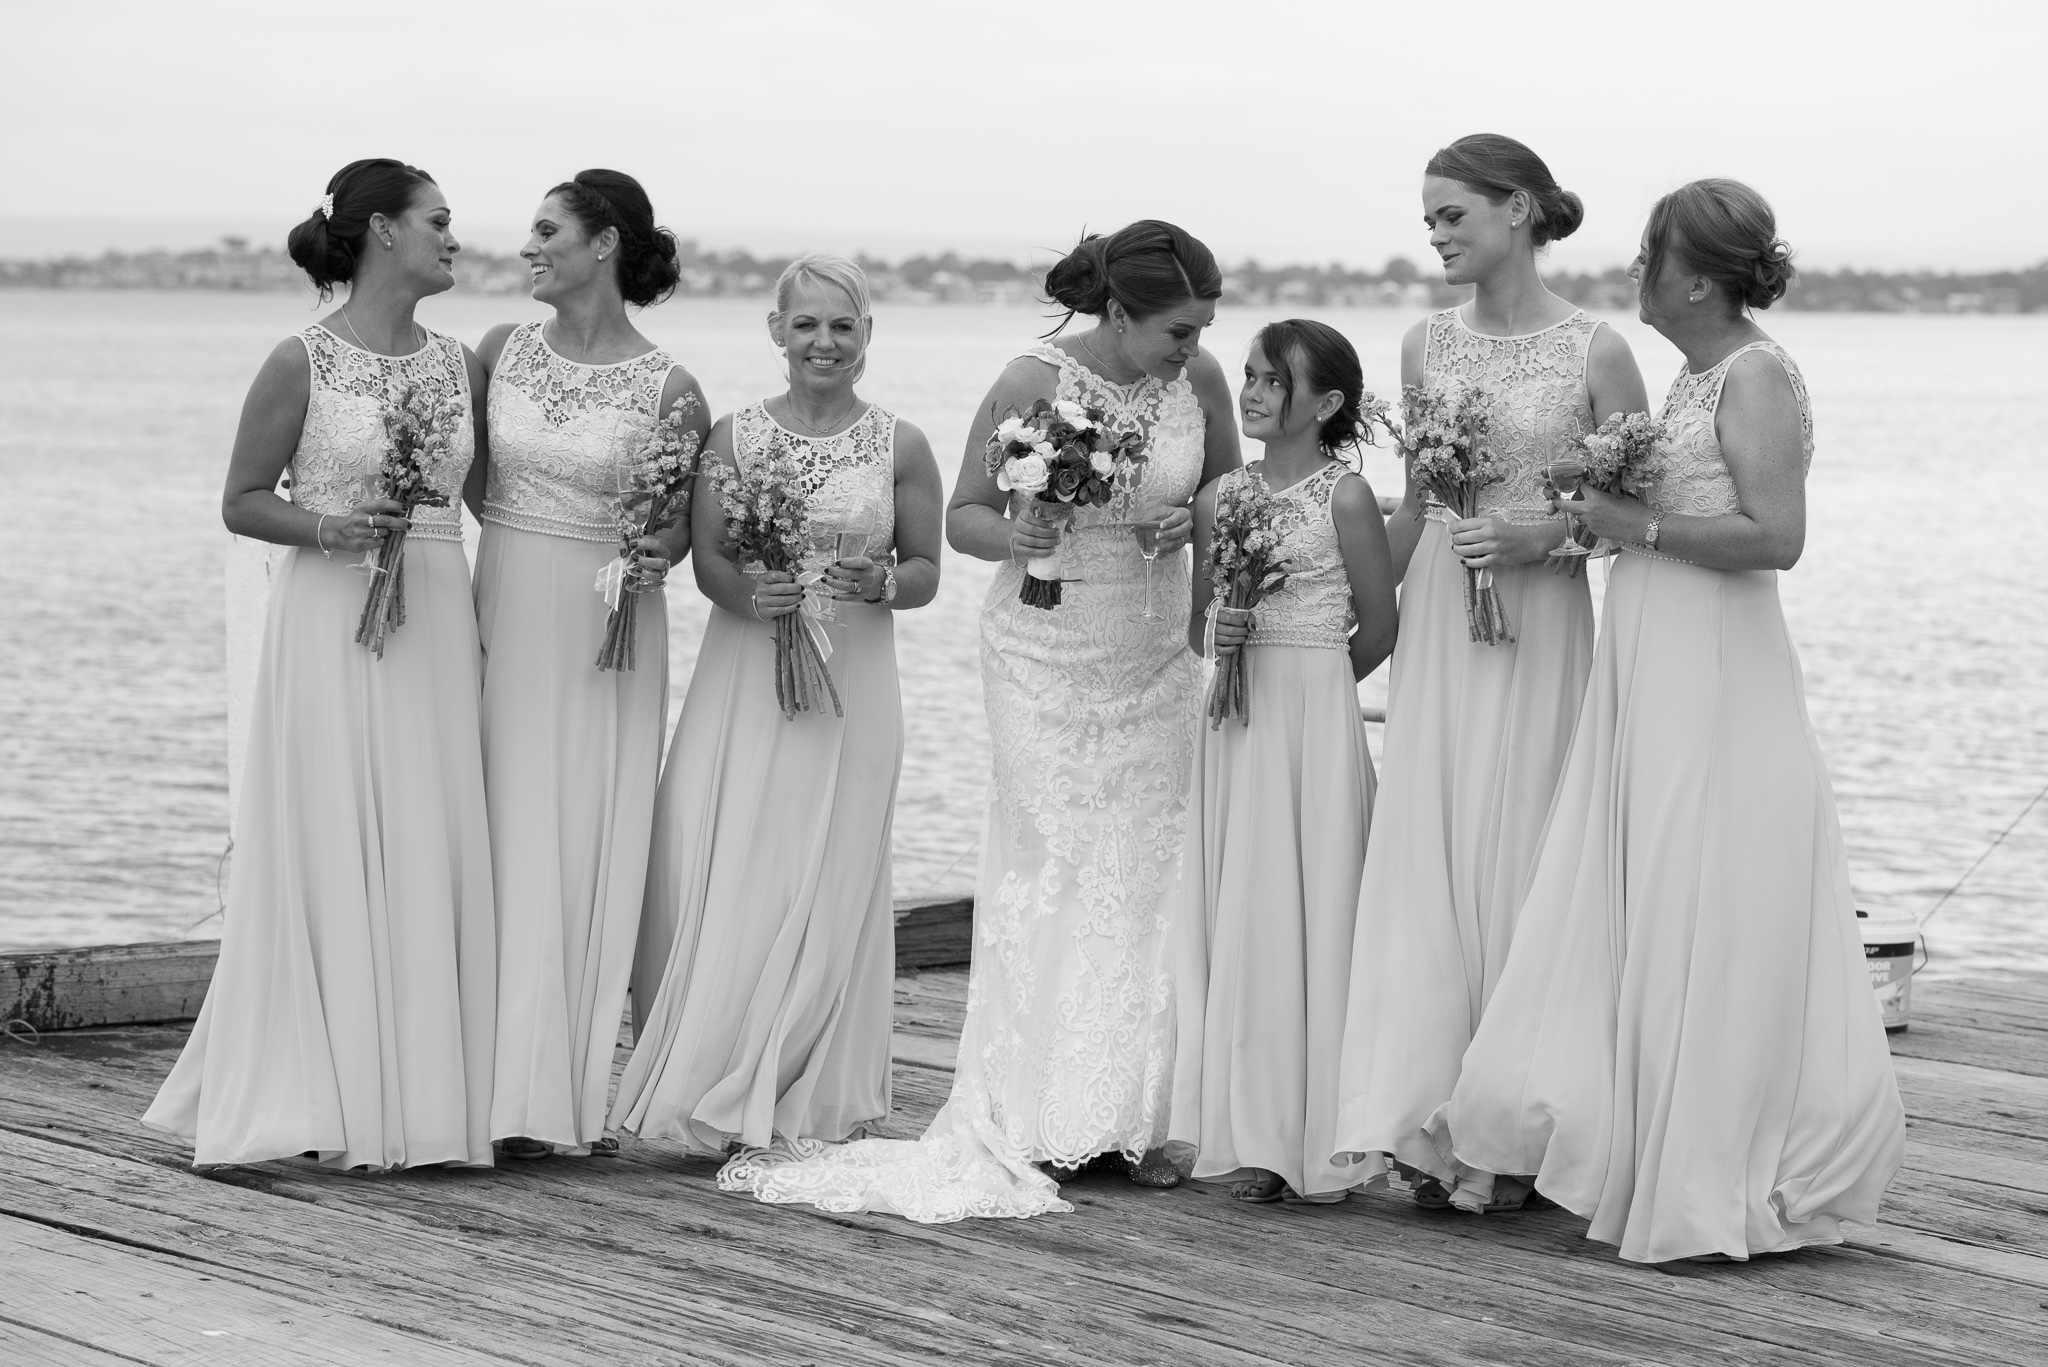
(12, 1030)
(1984, 856)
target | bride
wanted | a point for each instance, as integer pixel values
(1068, 1050)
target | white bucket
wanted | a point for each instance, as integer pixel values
(1894, 950)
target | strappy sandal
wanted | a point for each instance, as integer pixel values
(1261, 1190)
(526, 1150)
(606, 1147)
(1431, 1195)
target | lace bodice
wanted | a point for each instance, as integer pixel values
(559, 430)
(1313, 608)
(849, 478)
(343, 443)
(1696, 481)
(1101, 548)
(1537, 399)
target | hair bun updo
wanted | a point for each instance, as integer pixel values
(327, 245)
(1725, 231)
(1146, 267)
(1498, 166)
(648, 271)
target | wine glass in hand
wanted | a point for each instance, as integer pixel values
(1147, 533)
(1566, 476)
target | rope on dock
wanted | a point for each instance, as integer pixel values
(12, 1030)
(1986, 855)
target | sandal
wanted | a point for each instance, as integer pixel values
(1430, 1194)
(526, 1149)
(607, 1147)
(1261, 1190)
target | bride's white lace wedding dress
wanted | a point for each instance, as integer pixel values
(1068, 1047)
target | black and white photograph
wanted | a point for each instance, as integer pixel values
(797, 684)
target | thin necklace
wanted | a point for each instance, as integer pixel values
(1105, 364)
(816, 431)
(359, 340)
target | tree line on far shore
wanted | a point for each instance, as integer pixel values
(235, 265)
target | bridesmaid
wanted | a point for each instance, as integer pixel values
(1684, 1047)
(571, 751)
(1476, 734)
(765, 978)
(1277, 818)
(349, 1018)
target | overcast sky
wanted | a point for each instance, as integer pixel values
(1887, 135)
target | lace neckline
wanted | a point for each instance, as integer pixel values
(427, 336)
(1458, 314)
(1123, 391)
(1279, 491)
(540, 331)
(1686, 370)
(861, 412)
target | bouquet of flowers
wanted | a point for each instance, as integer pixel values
(1245, 568)
(1444, 441)
(416, 427)
(765, 519)
(1061, 455)
(654, 495)
(1622, 456)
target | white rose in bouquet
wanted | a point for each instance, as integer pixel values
(1101, 464)
(1025, 474)
(1014, 429)
(1073, 414)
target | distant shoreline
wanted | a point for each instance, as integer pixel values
(949, 279)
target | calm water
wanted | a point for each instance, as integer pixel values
(1919, 606)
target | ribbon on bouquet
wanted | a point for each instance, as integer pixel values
(816, 609)
(611, 581)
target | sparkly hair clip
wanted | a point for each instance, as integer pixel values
(327, 206)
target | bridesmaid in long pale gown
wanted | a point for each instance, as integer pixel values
(1277, 819)
(571, 752)
(1476, 734)
(1068, 1048)
(766, 971)
(349, 1018)
(1684, 1047)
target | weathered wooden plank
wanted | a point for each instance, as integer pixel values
(1979, 1098)
(72, 989)
(119, 1299)
(66, 989)
(25, 1345)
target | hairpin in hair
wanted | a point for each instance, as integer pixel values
(327, 206)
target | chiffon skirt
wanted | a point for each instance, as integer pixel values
(351, 1012)
(1277, 826)
(1476, 738)
(571, 754)
(765, 979)
(1684, 1047)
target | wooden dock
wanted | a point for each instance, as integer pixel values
(113, 1251)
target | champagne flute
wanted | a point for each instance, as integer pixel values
(1147, 533)
(1566, 476)
(851, 546)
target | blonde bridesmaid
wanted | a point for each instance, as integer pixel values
(1476, 734)
(766, 969)
(350, 1015)
(1684, 1048)
(571, 751)
(1277, 819)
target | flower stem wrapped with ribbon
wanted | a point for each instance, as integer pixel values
(417, 424)
(1443, 439)
(766, 519)
(654, 495)
(1061, 456)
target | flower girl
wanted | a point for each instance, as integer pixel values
(1277, 822)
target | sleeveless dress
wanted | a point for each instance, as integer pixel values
(351, 1012)
(1068, 1048)
(571, 751)
(1476, 737)
(765, 981)
(1684, 1047)
(1276, 846)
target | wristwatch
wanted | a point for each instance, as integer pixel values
(1650, 536)
(888, 584)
